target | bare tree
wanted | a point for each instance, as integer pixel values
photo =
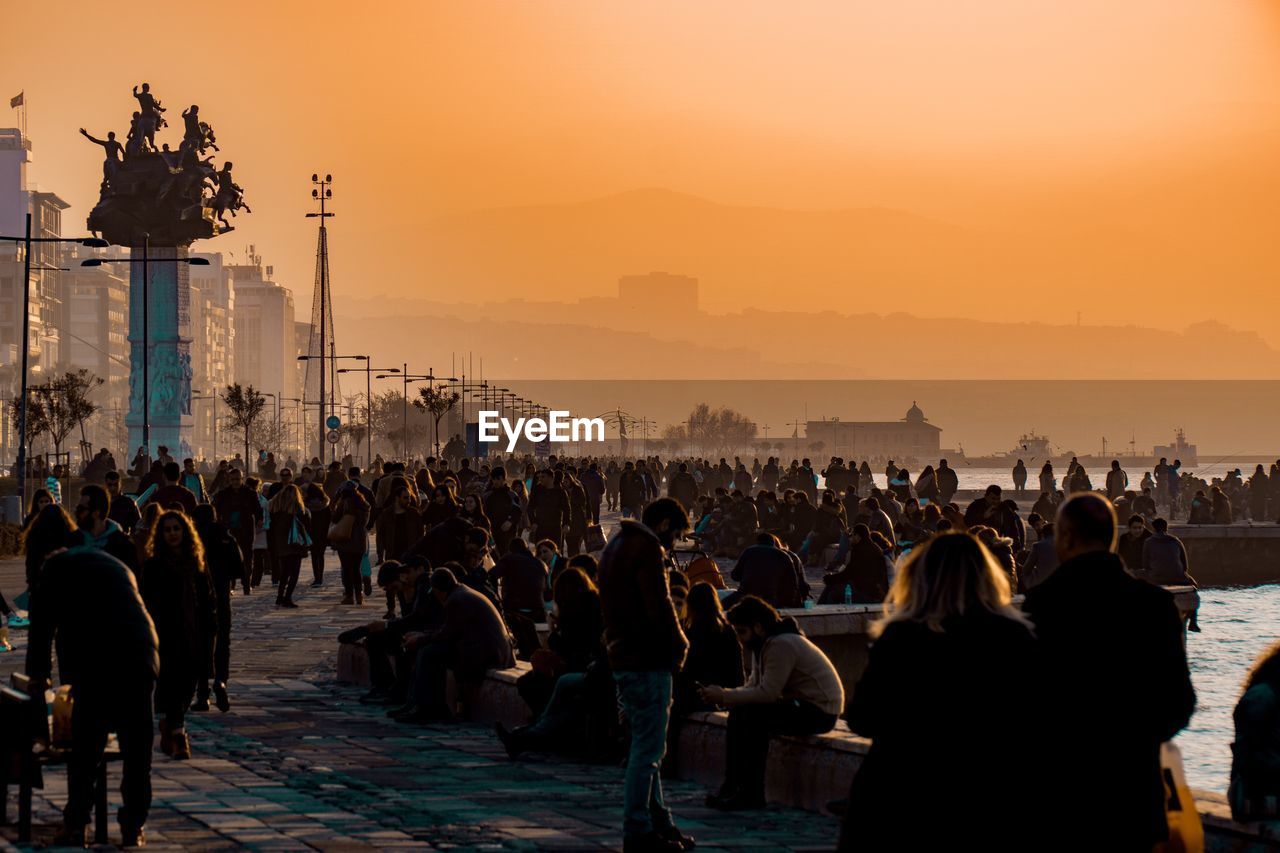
(58, 407)
(718, 430)
(436, 402)
(246, 406)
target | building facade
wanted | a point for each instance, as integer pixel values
(912, 438)
(265, 348)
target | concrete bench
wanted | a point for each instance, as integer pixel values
(803, 772)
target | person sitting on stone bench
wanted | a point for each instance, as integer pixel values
(384, 639)
(471, 640)
(792, 689)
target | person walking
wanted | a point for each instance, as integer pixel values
(646, 646)
(1118, 690)
(223, 560)
(82, 596)
(179, 596)
(348, 536)
(950, 637)
(291, 539)
(317, 503)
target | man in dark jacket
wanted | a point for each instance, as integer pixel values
(767, 571)
(645, 646)
(99, 531)
(1164, 558)
(502, 508)
(548, 509)
(1121, 688)
(683, 487)
(985, 510)
(385, 637)
(124, 509)
(107, 650)
(471, 640)
(170, 493)
(593, 484)
(1131, 542)
(238, 508)
(632, 491)
(866, 573)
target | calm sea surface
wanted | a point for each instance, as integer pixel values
(1236, 625)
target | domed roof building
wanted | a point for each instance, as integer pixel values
(911, 440)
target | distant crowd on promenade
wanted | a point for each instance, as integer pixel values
(471, 556)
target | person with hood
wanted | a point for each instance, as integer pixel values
(792, 689)
(99, 531)
(1117, 480)
(645, 646)
(549, 508)
(178, 592)
(223, 559)
(1221, 506)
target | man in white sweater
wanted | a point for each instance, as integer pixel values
(792, 689)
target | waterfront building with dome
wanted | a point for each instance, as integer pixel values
(910, 438)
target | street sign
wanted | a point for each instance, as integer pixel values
(333, 422)
(332, 436)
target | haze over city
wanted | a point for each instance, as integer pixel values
(1013, 163)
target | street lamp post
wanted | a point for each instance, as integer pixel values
(26, 240)
(368, 403)
(146, 309)
(321, 358)
(407, 377)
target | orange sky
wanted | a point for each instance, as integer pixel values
(1048, 119)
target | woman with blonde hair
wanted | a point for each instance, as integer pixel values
(178, 592)
(290, 533)
(951, 704)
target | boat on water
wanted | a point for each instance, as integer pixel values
(1035, 449)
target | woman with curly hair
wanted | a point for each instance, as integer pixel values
(178, 592)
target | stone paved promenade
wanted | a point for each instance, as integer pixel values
(298, 763)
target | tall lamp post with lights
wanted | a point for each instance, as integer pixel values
(322, 358)
(368, 402)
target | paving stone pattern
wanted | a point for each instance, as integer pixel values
(298, 763)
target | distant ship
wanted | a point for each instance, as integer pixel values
(1034, 450)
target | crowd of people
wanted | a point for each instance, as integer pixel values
(472, 556)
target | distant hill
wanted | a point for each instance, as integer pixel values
(554, 340)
